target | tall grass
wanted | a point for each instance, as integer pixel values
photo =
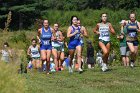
(88, 17)
(10, 81)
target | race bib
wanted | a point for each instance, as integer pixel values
(47, 42)
(105, 34)
(133, 34)
(35, 52)
(77, 35)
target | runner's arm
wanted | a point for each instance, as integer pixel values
(69, 34)
(84, 31)
(10, 52)
(29, 51)
(38, 35)
(53, 35)
(111, 29)
(95, 30)
(138, 27)
(38, 48)
(66, 44)
(121, 35)
(61, 36)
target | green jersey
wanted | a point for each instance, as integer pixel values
(123, 41)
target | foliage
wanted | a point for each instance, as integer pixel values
(7, 23)
(21, 37)
(26, 12)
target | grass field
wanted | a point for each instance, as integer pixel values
(118, 80)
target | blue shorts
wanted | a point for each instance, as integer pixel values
(82, 44)
(45, 47)
(135, 43)
(72, 45)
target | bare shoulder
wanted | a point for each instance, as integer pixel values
(60, 32)
(38, 46)
(9, 50)
(138, 22)
(97, 24)
(52, 30)
(82, 27)
(69, 28)
(30, 46)
(126, 21)
(39, 30)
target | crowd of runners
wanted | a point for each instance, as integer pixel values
(51, 51)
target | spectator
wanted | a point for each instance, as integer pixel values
(6, 53)
(90, 55)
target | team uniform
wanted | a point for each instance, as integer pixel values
(104, 37)
(104, 33)
(62, 46)
(132, 33)
(74, 40)
(46, 39)
(5, 56)
(57, 44)
(35, 52)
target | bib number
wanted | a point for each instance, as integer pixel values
(133, 34)
(105, 34)
(46, 42)
(77, 35)
(35, 52)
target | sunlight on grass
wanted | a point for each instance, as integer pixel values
(10, 81)
(118, 80)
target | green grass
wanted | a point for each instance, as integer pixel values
(118, 80)
(10, 81)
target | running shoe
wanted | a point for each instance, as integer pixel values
(104, 67)
(132, 64)
(70, 70)
(80, 70)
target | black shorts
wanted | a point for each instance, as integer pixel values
(135, 43)
(90, 60)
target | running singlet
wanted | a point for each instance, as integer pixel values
(56, 43)
(35, 52)
(5, 56)
(74, 40)
(62, 46)
(46, 37)
(76, 36)
(104, 32)
(132, 29)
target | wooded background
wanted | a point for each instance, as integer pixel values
(25, 12)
